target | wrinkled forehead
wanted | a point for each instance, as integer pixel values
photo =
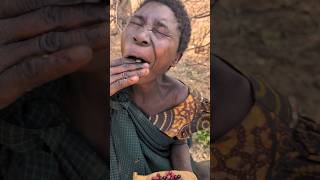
(156, 11)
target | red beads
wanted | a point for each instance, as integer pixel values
(169, 176)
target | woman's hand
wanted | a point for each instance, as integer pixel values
(125, 72)
(32, 52)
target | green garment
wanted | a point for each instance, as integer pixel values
(36, 142)
(136, 145)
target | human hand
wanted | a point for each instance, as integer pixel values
(125, 72)
(33, 52)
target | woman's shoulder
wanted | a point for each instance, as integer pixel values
(199, 109)
(181, 90)
(188, 116)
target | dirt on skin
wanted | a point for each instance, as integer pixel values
(275, 40)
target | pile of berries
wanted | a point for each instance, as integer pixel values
(169, 176)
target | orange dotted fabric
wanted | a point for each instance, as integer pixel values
(186, 118)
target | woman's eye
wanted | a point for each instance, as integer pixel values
(160, 32)
(136, 23)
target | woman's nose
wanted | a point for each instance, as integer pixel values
(142, 38)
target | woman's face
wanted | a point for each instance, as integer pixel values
(152, 35)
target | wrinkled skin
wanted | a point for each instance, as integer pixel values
(152, 34)
(41, 41)
(29, 29)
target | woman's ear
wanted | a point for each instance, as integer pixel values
(177, 59)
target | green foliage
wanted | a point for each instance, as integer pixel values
(203, 137)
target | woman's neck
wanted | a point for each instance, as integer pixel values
(152, 90)
(158, 95)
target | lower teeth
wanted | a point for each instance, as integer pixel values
(137, 60)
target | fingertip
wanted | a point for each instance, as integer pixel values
(72, 58)
(81, 53)
(145, 65)
(144, 72)
(134, 78)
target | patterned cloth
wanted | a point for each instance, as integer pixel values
(272, 142)
(137, 144)
(188, 117)
(36, 142)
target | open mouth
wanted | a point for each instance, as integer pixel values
(137, 59)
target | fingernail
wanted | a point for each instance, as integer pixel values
(134, 78)
(75, 54)
(146, 65)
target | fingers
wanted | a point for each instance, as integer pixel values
(129, 74)
(121, 61)
(127, 67)
(10, 8)
(123, 83)
(50, 18)
(94, 37)
(124, 73)
(29, 74)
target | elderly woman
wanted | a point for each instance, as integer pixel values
(153, 116)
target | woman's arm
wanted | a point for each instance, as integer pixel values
(233, 97)
(180, 157)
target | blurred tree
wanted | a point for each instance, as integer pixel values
(120, 11)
